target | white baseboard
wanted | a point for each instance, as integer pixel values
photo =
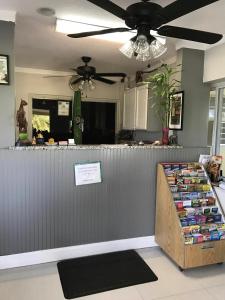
(45, 256)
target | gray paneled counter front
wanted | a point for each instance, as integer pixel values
(41, 208)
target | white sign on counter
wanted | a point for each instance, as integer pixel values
(88, 173)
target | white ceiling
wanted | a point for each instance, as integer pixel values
(37, 44)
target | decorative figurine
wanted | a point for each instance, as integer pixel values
(22, 124)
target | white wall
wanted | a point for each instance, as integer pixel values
(214, 65)
(29, 85)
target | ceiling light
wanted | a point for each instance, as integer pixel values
(46, 11)
(87, 84)
(143, 48)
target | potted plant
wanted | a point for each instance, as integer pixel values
(164, 85)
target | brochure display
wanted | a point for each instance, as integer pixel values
(189, 220)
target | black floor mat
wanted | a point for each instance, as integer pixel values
(94, 274)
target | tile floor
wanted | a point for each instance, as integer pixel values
(41, 282)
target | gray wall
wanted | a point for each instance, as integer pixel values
(7, 93)
(196, 99)
(41, 208)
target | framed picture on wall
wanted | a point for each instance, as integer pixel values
(176, 111)
(4, 69)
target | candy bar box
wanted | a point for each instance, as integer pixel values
(200, 217)
(189, 222)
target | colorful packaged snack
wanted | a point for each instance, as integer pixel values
(186, 203)
(195, 229)
(186, 230)
(187, 180)
(217, 218)
(204, 229)
(180, 181)
(171, 180)
(176, 196)
(206, 187)
(214, 236)
(193, 174)
(175, 167)
(212, 227)
(192, 221)
(220, 226)
(208, 195)
(186, 173)
(222, 235)
(167, 167)
(190, 211)
(214, 210)
(203, 202)
(191, 166)
(210, 219)
(181, 213)
(183, 166)
(191, 188)
(182, 188)
(184, 222)
(197, 238)
(206, 237)
(198, 211)
(211, 201)
(188, 240)
(179, 204)
(196, 203)
(206, 211)
(173, 188)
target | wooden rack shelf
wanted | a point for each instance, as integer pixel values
(170, 236)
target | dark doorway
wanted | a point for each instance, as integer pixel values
(57, 126)
(99, 122)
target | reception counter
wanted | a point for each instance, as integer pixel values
(42, 208)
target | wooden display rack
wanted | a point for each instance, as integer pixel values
(169, 234)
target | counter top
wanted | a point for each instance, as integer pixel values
(94, 147)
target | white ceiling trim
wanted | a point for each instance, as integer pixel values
(42, 72)
(8, 15)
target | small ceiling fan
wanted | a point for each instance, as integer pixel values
(145, 16)
(86, 74)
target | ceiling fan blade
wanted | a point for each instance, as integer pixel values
(108, 81)
(56, 76)
(180, 8)
(75, 81)
(190, 34)
(110, 7)
(112, 74)
(97, 32)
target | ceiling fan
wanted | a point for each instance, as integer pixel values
(145, 16)
(86, 74)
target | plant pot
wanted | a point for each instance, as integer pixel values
(165, 137)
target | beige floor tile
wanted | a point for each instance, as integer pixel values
(217, 292)
(171, 280)
(195, 295)
(206, 276)
(43, 287)
(129, 293)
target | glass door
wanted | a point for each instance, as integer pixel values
(220, 135)
(216, 123)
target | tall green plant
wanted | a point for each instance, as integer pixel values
(163, 85)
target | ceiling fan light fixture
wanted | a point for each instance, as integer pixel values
(143, 48)
(128, 49)
(91, 85)
(81, 85)
(157, 48)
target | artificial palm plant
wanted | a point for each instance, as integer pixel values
(164, 85)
